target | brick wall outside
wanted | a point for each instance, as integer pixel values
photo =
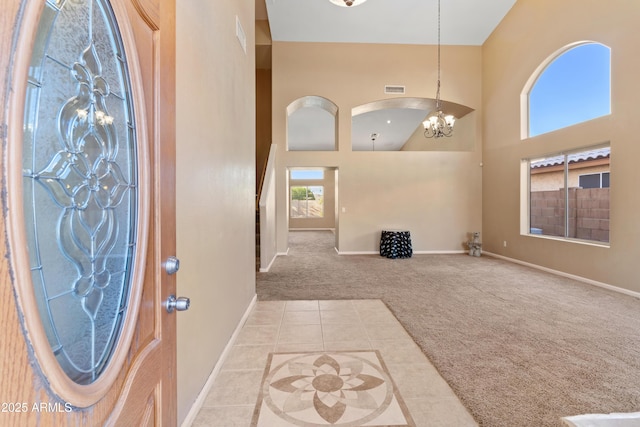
(588, 213)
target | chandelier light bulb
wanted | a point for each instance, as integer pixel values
(438, 125)
(450, 120)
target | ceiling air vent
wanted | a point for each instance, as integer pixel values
(394, 89)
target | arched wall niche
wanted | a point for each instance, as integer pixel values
(395, 124)
(312, 124)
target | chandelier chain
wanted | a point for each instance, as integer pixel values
(438, 124)
(438, 46)
(438, 88)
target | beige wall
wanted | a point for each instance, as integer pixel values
(215, 183)
(434, 194)
(530, 32)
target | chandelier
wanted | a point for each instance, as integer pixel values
(347, 3)
(438, 124)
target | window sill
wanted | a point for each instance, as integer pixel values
(570, 240)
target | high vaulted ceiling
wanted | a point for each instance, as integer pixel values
(463, 22)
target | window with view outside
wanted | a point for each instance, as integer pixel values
(307, 201)
(564, 200)
(574, 87)
(594, 180)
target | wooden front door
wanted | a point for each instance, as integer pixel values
(87, 123)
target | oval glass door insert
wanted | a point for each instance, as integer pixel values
(80, 181)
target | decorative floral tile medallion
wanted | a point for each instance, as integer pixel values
(346, 389)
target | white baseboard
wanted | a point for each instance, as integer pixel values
(414, 252)
(312, 229)
(439, 252)
(197, 405)
(268, 267)
(358, 252)
(567, 275)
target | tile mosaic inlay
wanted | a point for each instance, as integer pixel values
(348, 389)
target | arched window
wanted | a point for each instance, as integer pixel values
(572, 86)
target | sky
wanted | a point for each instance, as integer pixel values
(574, 88)
(307, 174)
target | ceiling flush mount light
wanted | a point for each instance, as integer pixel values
(438, 124)
(347, 3)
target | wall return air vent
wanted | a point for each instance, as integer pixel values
(394, 89)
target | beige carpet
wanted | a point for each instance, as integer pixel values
(519, 346)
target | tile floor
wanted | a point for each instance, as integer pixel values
(308, 326)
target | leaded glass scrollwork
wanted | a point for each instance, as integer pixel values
(80, 183)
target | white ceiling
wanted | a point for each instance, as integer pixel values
(392, 128)
(463, 22)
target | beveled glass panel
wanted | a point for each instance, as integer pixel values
(80, 183)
